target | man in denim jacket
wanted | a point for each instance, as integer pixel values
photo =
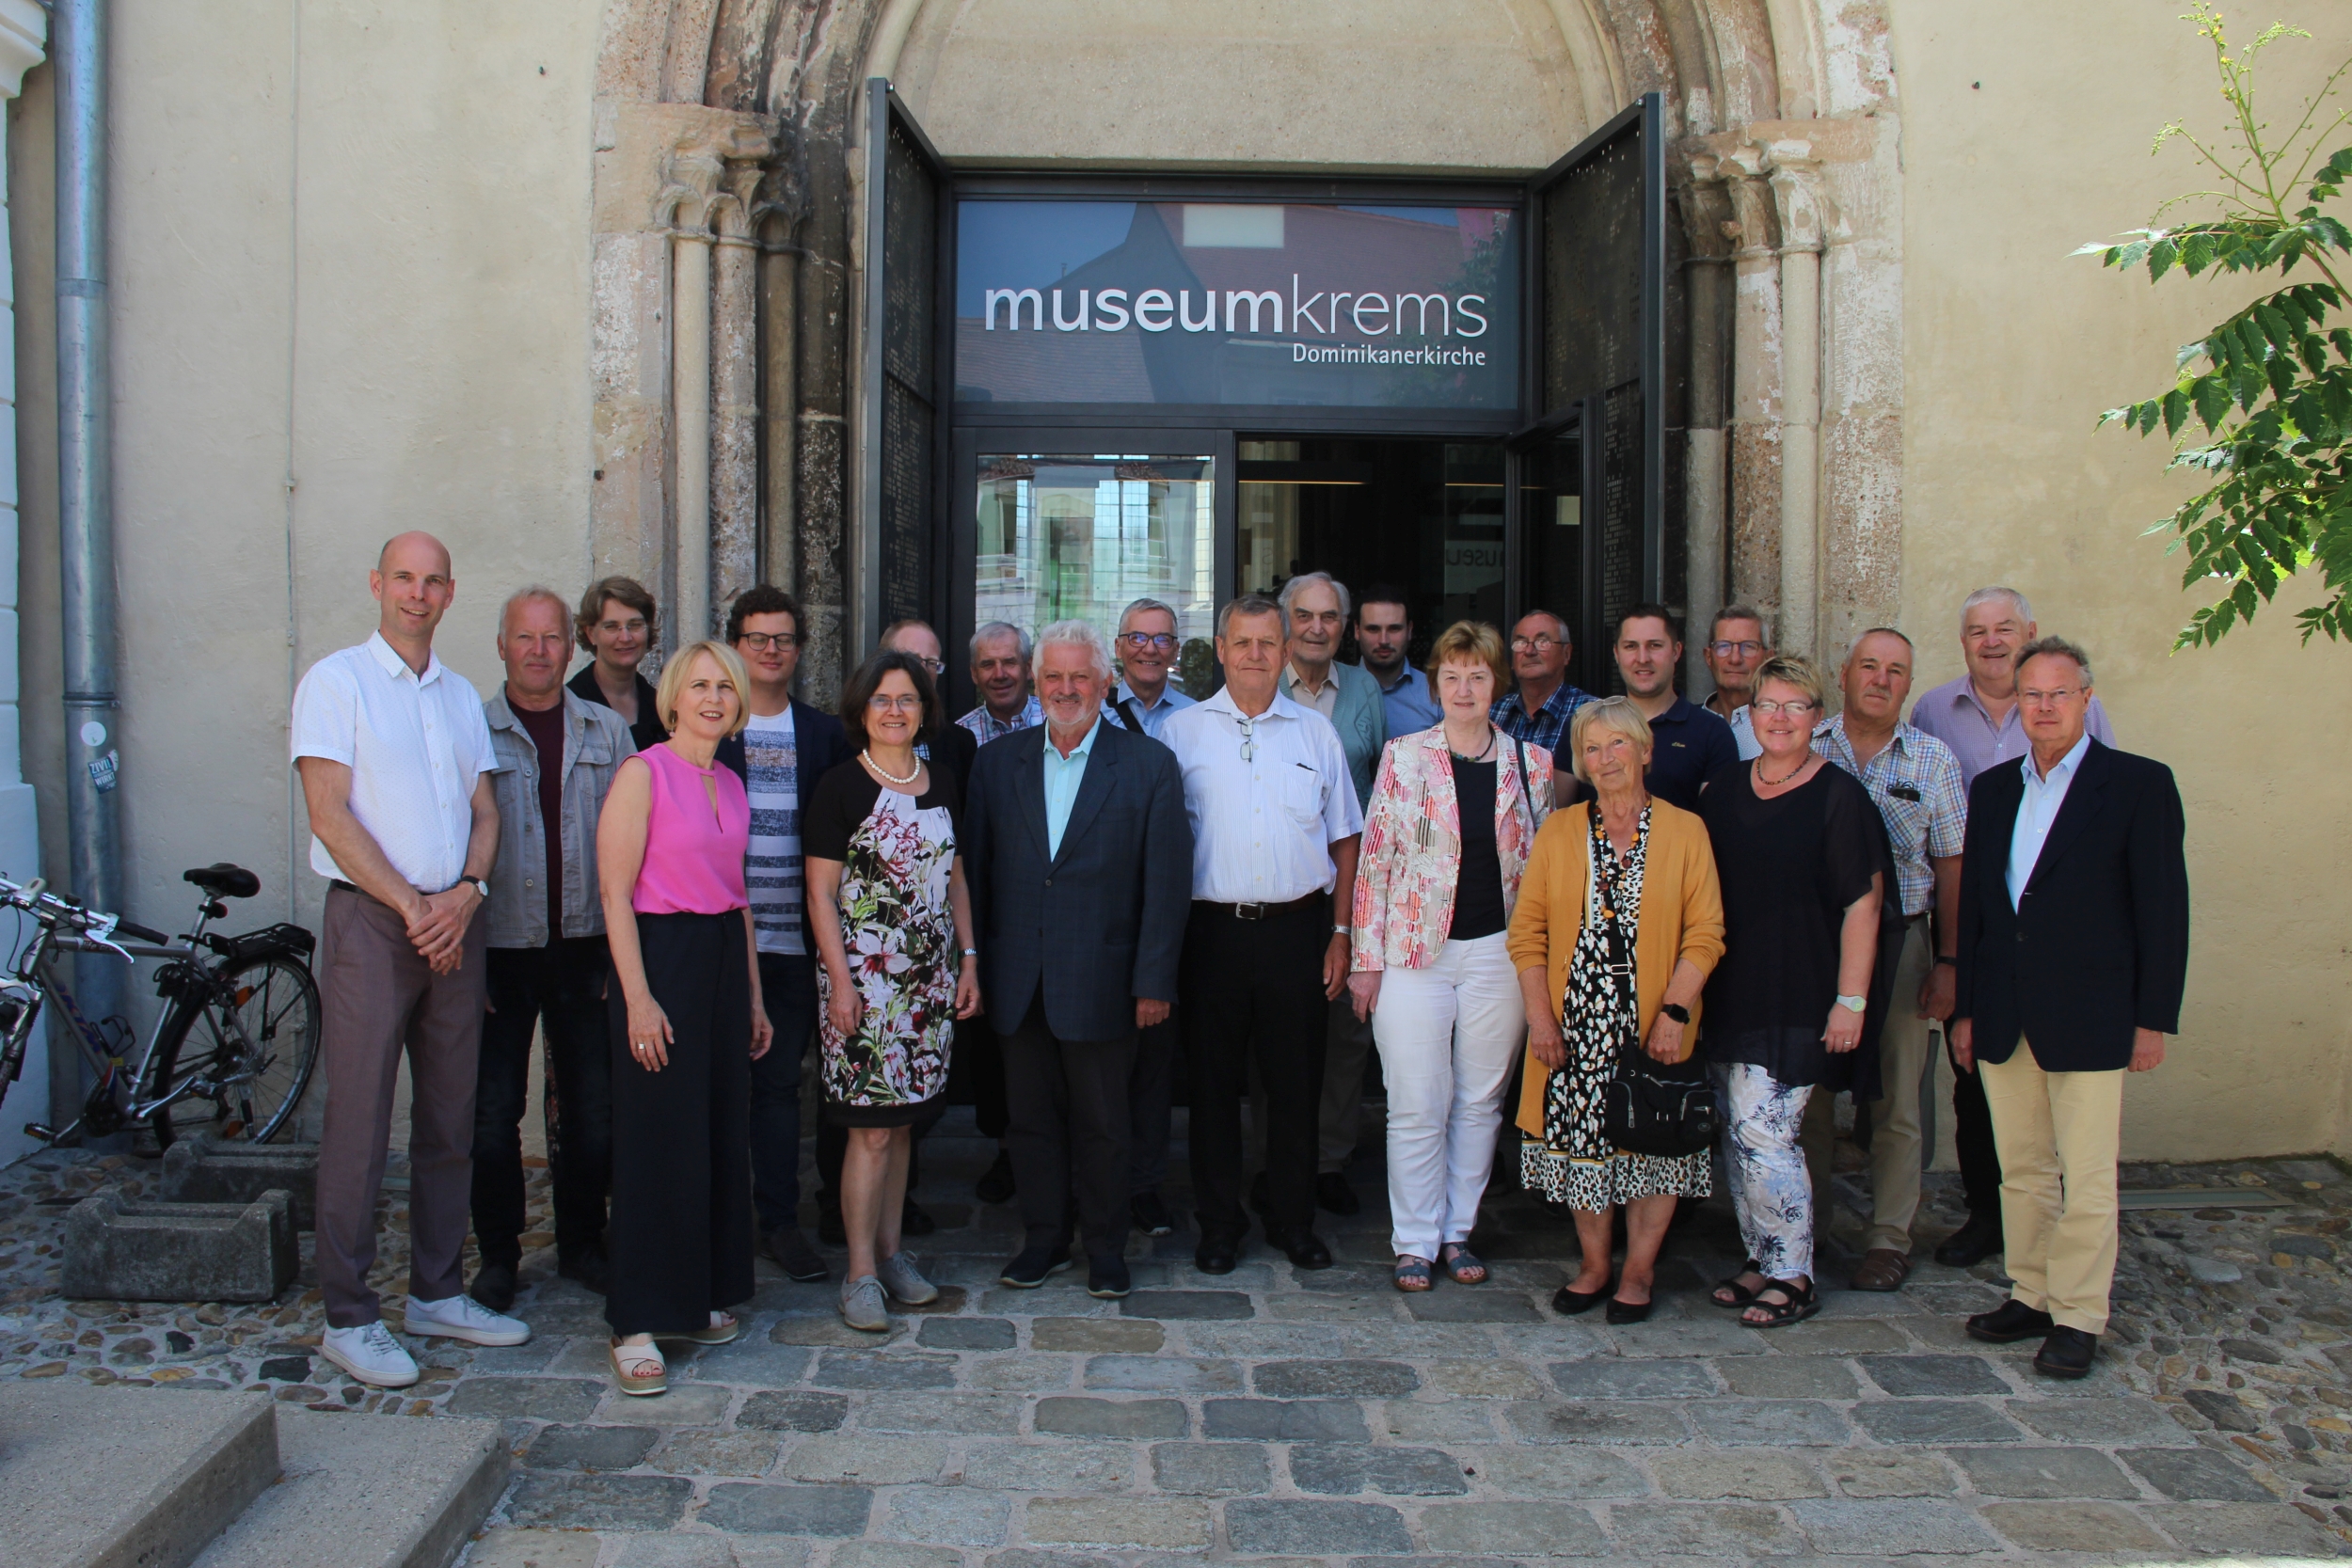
(556, 755)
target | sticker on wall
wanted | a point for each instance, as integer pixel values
(103, 770)
(93, 733)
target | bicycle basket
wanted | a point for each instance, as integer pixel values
(269, 943)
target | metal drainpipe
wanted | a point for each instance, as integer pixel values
(85, 509)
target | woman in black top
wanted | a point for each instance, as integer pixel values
(1798, 847)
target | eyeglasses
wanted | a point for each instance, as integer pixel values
(1797, 709)
(634, 625)
(760, 642)
(881, 702)
(1248, 739)
(1534, 644)
(936, 666)
(1725, 650)
(1160, 640)
(2048, 698)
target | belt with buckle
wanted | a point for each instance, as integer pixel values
(1266, 911)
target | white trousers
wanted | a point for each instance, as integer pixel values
(1448, 1035)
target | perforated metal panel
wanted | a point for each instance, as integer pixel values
(1591, 224)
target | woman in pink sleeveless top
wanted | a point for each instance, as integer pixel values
(687, 1022)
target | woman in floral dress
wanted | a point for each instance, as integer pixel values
(893, 922)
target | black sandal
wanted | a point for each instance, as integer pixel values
(1741, 1295)
(1569, 1303)
(1804, 1300)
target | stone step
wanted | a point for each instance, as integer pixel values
(118, 1250)
(121, 1477)
(368, 1491)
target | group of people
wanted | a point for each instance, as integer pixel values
(1472, 867)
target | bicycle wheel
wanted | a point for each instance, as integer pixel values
(277, 1003)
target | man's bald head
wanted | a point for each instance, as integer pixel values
(416, 539)
(413, 584)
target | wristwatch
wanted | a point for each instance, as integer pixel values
(1857, 1004)
(480, 885)
(1675, 1010)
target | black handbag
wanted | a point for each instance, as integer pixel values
(1653, 1107)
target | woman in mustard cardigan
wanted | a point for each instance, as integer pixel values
(1619, 921)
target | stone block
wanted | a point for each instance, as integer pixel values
(1889, 1473)
(560, 1501)
(1077, 1416)
(118, 1250)
(1210, 1469)
(585, 1448)
(751, 1363)
(793, 1410)
(1472, 1307)
(1167, 1524)
(1090, 1336)
(675, 1550)
(534, 1548)
(1839, 1337)
(1551, 1472)
(1890, 1528)
(2074, 1526)
(1439, 1420)
(1027, 1557)
(1598, 1422)
(1933, 1376)
(1672, 1337)
(1935, 1421)
(1050, 1468)
(852, 1369)
(1707, 1529)
(1343, 1470)
(827, 1329)
(743, 1507)
(1486, 1380)
(1192, 1305)
(1259, 1526)
(1536, 1530)
(2227, 1411)
(965, 1334)
(886, 1553)
(1296, 1379)
(684, 1405)
(1020, 1374)
(1768, 1423)
(541, 1398)
(205, 1169)
(1285, 1420)
(2022, 1472)
(947, 1516)
(2241, 1531)
(1163, 1373)
(1613, 1379)
(1755, 1475)
(866, 1461)
(2194, 1476)
(1788, 1377)
(2097, 1420)
(717, 1454)
(978, 1414)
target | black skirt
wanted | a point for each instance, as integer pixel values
(681, 1230)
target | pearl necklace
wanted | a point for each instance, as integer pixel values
(886, 773)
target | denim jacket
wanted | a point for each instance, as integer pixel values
(596, 743)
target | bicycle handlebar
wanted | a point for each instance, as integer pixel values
(142, 933)
(52, 909)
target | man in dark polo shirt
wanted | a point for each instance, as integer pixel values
(1689, 742)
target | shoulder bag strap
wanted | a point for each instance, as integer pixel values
(1525, 793)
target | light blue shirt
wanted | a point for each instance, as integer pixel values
(2045, 795)
(1156, 714)
(1409, 706)
(1063, 775)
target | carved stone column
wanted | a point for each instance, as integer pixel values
(1795, 178)
(735, 394)
(773, 220)
(1755, 402)
(1706, 212)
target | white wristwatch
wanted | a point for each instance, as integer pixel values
(1858, 1004)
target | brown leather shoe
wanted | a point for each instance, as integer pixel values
(1882, 1269)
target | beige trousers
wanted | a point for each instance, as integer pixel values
(2058, 1134)
(1906, 1041)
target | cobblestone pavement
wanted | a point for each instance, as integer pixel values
(1272, 1414)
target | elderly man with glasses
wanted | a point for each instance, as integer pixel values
(1146, 651)
(1736, 648)
(1538, 712)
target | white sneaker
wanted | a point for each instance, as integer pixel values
(370, 1354)
(902, 1279)
(461, 1317)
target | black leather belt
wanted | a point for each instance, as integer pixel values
(1264, 912)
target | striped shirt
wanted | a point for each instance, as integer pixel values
(985, 726)
(774, 874)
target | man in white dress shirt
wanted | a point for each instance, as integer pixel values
(396, 760)
(1275, 822)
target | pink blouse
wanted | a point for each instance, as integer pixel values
(693, 857)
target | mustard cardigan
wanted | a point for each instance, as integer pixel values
(1681, 917)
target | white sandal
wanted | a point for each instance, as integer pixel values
(639, 1383)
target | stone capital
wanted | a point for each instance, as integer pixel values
(1801, 203)
(1707, 209)
(1750, 227)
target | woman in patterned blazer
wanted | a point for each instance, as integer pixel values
(1454, 814)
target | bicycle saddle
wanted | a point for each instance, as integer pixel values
(224, 880)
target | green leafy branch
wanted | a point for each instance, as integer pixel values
(2269, 390)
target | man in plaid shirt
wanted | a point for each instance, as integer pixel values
(1538, 712)
(1916, 781)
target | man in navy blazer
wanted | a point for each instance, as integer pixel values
(2073, 950)
(785, 749)
(1079, 856)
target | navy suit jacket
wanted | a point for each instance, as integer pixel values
(818, 746)
(2098, 944)
(1099, 924)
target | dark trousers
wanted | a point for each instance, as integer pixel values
(1151, 1089)
(558, 988)
(1972, 1139)
(1067, 1100)
(1252, 991)
(788, 989)
(681, 1135)
(378, 998)
(976, 1072)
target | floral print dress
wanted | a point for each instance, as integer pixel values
(1575, 1164)
(899, 932)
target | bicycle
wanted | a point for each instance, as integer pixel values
(239, 1033)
